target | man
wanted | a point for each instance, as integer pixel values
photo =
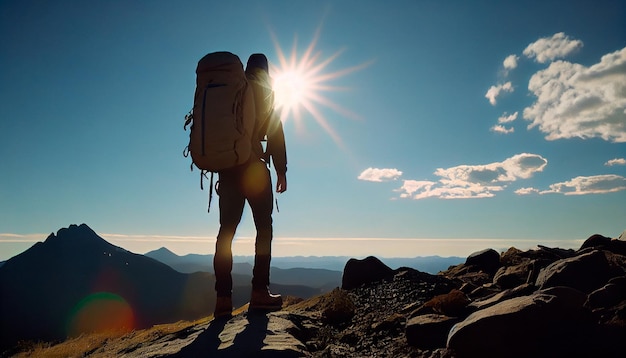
(252, 182)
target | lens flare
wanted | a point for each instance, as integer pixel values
(101, 312)
(299, 84)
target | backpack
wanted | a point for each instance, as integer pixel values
(223, 116)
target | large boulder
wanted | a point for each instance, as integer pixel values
(513, 276)
(597, 241)
(429, 331)
(586, 272)
(362, 272)
(487, 260)
(547, 323)
(609, 295)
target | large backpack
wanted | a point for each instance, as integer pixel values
(223, 116)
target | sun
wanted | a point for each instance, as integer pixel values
(300, 84)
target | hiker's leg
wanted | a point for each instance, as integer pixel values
(231, 202)
(260, 197)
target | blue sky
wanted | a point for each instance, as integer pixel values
(437, 127)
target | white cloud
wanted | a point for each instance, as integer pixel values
(578, 101)
(474, 181)
(510, 62)
(507, 118)
(494, 92)
(616, 161)
(597, 184)
(526, 191)
(549, 48)
(411, 186)
(498, 128)
(379, 175)
(10, 237)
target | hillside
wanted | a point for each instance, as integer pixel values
(546, 302)
(76, 282)
(61, 287)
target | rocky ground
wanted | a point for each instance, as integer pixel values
(368, 321)
(546, 302)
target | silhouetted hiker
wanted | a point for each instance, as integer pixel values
(251, 182)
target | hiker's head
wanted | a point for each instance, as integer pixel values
(257, 61)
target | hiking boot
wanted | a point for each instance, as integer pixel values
(264, 300)
(223, 307)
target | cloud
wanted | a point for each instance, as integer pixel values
(507, 119)
(379, 175)
(526, 191)
(411, 186)
(597, 184)
(474, 181)
(498, 128)
(510, 62)
(10, 237)
(616, 161)
(494, 92)
(574, 101)
(550, 48)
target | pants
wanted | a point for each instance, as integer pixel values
(251, 182)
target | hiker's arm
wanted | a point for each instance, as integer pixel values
(281, 183)
(276, 149)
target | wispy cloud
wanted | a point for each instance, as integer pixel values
(574, 101)
(510, 63)
(616, 161)
(474, 181)
(494, 92)
(527, 191)
(149, 238)
(379, 175)
(550, 48)
(597, 184)
(505, 118)
(10, 237)
(582, 185)
(498, 128)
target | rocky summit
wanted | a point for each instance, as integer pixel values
(544, 302)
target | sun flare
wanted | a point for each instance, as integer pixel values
(300, 82)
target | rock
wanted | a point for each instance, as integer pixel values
(595, 241)
(339, 308)
(521, 290)
(585, 272)
(361, 272)
(513, 276)
(540, 325)
(487, 260)
(452, 304)
(609, 295)
(429, 331)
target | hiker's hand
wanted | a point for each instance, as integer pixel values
(281, 183)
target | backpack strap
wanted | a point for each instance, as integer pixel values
(203, 174)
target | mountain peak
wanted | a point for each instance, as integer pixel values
(79, 235)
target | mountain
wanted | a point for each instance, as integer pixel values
(76, 282)
(194, 262)
(63, 285)
(299, 282)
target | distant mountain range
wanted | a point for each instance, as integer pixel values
(243, 264)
